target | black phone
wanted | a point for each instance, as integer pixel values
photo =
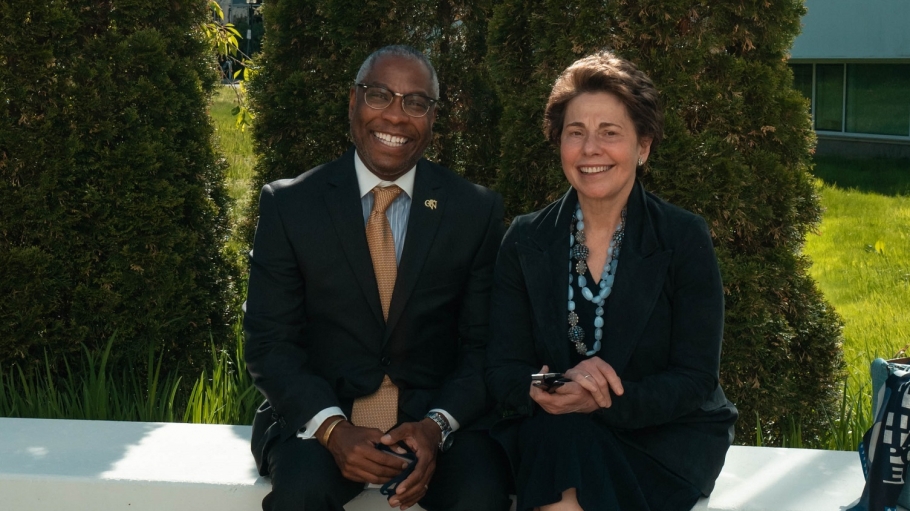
(548, 381)
(388, 489)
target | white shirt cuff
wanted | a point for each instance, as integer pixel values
(312, 425)
(452, 422)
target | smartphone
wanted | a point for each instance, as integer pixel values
(388, 489)
(548, 381)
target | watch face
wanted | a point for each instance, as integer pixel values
(446, 443)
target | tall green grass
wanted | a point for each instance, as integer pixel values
(861, 262)
(224, 394)
(91, 389)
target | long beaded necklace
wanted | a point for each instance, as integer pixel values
(579, 251)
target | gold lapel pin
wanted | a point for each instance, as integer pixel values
(430, 203)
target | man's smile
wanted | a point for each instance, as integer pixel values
(390, 140)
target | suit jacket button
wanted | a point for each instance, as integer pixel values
(385, 360)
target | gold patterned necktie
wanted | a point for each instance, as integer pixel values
(380, 409)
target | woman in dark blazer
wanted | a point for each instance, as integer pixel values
(621, 292)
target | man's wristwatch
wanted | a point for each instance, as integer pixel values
(443, 424)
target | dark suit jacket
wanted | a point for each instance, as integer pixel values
(663, 331)
(315, 335)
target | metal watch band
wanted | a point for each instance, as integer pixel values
(445, 442)
(440, 421)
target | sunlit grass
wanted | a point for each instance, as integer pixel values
(237, 148)
(861, 262)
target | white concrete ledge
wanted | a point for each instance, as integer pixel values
(141, 466)
(108, 465)
(775, 479)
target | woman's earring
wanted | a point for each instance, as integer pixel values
(640, 163)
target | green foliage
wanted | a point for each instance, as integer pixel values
(225, 41)
(111, 195)
(252, 45)
(94, 390)
(237, 147)
(737, 151)
(228, 397)
(869, 287)
(311, 53)
(223, 37)
(91, 390)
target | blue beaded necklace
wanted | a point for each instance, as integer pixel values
(579, 251)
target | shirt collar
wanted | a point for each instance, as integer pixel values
(367, 180)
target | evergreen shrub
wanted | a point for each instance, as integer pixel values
(737, 151)
(112, 208)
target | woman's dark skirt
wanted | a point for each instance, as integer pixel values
(559, 452)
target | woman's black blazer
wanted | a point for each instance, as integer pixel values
(663, 332)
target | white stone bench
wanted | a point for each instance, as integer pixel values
(139, 466)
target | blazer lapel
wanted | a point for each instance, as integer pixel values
(544, 259)
(343, 204)
(423, 223)
(639, 279)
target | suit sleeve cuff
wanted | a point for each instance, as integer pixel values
(452, 422)
(309, 429)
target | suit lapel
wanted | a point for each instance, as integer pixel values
(544, 261)
(639, 279)
(423, 223)
(343, 204)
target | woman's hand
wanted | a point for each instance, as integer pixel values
(598, 378)
(569, 398)
(592, 381)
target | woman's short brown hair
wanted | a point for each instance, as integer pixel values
(605, 72)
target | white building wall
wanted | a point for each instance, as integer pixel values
(854, 29)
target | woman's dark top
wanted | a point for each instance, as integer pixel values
(662, 333)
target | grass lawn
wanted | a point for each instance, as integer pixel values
(861, 262)
(237, 148)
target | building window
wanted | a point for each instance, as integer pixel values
(871, 99)
(878, 99)
(829, 97)
(802, 80)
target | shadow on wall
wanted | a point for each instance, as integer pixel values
(883, 176)
(853, 148)
(70, 448)
(137, 451)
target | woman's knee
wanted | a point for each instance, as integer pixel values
(569, 502)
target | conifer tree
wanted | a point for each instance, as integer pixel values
(112, 210)
(737, 151)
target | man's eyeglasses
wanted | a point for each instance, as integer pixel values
(379, 98)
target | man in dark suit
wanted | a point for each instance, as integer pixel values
(335, 323)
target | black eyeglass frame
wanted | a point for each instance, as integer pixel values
(364, 86)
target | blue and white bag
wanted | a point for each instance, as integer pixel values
(885, 447)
